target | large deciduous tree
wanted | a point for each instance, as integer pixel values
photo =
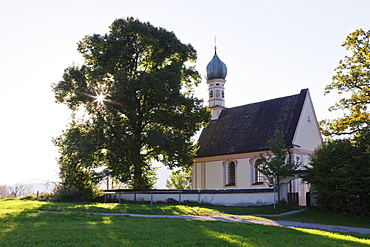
(136, 91)
(352, 80)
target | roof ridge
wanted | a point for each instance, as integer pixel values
(269, 100)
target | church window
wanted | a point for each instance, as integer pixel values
(257, 175)
(230, 173)
(223, 94)
(211, 94)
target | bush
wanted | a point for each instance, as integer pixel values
(339, 172)
(73, 194)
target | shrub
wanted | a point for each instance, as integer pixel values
(339, 172)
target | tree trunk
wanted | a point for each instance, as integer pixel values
(138, 176)
(139, 182)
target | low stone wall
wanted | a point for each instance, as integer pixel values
(241, 197)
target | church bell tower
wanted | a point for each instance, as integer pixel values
(216, 74)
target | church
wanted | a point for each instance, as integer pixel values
(231, 145)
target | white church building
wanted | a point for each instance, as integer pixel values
(231, 144)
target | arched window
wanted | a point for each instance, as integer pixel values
(230, 173)
(257, 175)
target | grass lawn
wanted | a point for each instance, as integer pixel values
(28, 223)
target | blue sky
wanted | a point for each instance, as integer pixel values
(271, 48)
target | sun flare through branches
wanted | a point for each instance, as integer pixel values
(100, 98)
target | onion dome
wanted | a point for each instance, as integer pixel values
(216, 69)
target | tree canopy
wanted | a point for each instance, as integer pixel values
(135, 90)
(339, 169)
(352, 81)
(339, 172)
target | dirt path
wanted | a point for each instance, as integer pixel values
(239, 218)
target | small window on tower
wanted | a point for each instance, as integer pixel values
(217, 93)
(223, 94)
(211, 94)
(217, 84)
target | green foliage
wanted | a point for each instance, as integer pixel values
(135, 89)
(280, 164)
(76, 162)
(180, 179)
(339, 172)
(352, 80)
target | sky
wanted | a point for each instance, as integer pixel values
(272, 48)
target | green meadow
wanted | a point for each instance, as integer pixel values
(35, 223)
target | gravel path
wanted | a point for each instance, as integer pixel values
(239, 218)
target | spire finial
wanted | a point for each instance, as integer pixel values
(215, 45)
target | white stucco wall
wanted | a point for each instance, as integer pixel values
(214, 175)
(307, 135)
(242, 174)
(197, 176)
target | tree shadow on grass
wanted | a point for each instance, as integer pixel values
(38, 228)
(114, 208)
(131, 208)
(161, 209)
